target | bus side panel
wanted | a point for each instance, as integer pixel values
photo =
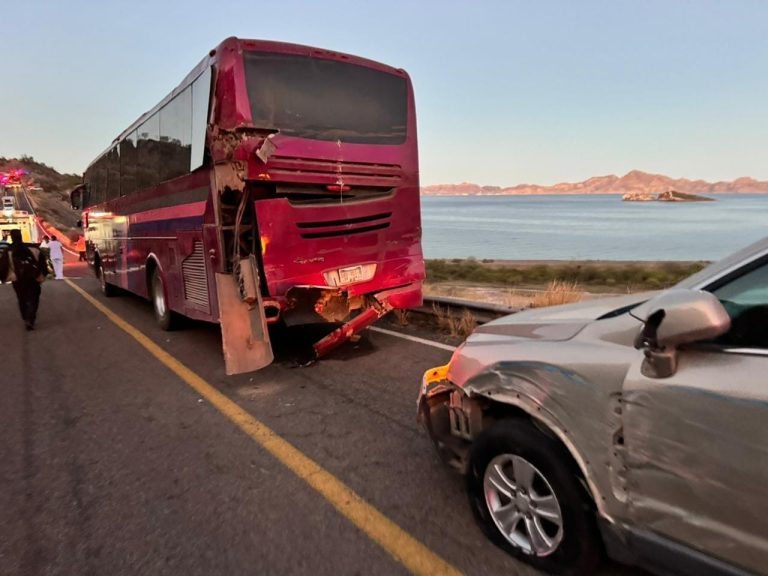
(100, 234)
(165, 222)
(138, 251)
(211, 243)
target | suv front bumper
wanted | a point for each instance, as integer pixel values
(439, 410)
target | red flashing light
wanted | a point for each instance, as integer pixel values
(338, 188)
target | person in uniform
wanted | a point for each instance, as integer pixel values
(80, 248)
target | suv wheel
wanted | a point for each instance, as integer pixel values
(528, 500)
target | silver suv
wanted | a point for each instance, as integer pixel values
(636, 426)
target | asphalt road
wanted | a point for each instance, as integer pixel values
(111, 464)
(22, 202)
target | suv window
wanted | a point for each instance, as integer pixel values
(746, 300)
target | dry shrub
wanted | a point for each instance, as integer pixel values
(558, 292)
(401, 314)
(457, 326)
(466, 324)
(441, 316)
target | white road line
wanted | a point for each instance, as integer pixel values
(413, 338)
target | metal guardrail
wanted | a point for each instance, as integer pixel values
(482, 311)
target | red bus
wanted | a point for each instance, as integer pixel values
(276, 183)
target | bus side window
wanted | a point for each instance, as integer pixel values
(147, 172)
(113, 173)
(201, 95)
(97, 181)
(176, 136)
(128, 164)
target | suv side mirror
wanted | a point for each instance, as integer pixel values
(674, 318)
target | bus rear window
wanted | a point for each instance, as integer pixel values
(325, 99)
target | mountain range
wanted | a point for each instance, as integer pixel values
(634, 181)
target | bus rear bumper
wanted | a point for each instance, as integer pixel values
(377, 305)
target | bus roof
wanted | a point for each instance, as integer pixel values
(242, 44)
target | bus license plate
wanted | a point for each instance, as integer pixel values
(350, 275)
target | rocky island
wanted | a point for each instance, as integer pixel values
(668, 196)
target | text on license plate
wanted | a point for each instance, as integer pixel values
(350, 275)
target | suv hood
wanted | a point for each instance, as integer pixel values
(559, 322)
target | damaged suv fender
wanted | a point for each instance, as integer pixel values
(559, 402)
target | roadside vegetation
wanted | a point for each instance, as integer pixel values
(558, 292)
(455, 325)
(590, 276)
(48, 190)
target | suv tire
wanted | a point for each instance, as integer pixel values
(525, 494)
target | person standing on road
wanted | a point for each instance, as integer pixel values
(80, 248)
(57, 257)
(45, 251)
(22, 265)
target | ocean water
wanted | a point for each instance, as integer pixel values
(590, 227)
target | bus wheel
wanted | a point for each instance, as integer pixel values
(107, 289)
(165, 318)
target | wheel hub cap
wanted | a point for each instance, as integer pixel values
(523, 505)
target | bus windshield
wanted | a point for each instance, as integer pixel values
(324, 99)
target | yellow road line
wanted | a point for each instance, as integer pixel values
(397, 542)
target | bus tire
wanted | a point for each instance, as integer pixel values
(163, 315)
(107, 289)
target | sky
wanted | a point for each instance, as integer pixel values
(507, 92)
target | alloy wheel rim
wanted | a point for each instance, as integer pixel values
(523, 505)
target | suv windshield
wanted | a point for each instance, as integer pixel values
(746, 300)
(325, 99)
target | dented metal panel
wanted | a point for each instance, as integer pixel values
(244, 334)
(580, 404)
(697, 454)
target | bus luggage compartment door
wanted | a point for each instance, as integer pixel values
(244, 332)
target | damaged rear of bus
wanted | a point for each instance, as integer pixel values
(311, 212)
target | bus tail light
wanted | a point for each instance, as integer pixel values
(338, 188)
